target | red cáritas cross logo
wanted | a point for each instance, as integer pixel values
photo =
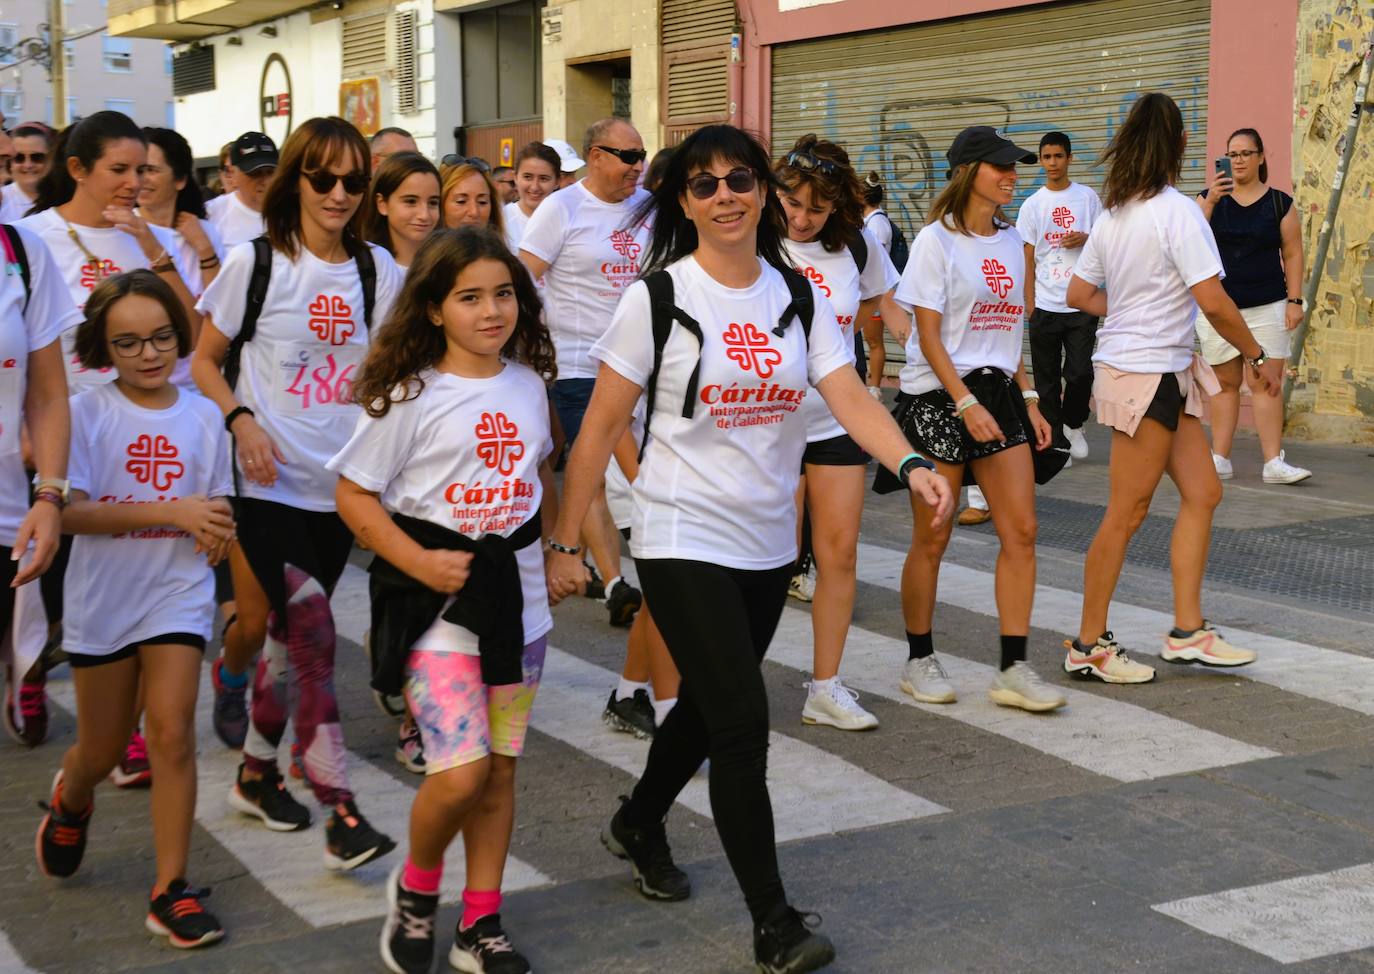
(1062, 217)
(815, 277)
(997, 278)
(91, 274)
(748, 348)
(498, 443)
(625, 244)
(153, 460)
(331, 319)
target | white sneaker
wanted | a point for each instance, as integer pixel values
(1020, 686)
(802, 587)
(1106, 660)
(1078, 443)
(1223, 465)
(1280, 471)
(925, 680)
(1205, 646)
(835, 704)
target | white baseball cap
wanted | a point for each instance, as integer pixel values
(571, 162)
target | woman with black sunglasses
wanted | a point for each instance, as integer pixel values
(714, 533)
(290, 410)
(28, 165)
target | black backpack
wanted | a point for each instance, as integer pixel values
(17, 256)
(899, 251)
(257, 294)
(663, 311)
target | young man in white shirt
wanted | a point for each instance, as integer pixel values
(1055, 222)
(239, 218)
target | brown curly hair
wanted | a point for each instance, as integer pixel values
(841, 188)
(408, 342)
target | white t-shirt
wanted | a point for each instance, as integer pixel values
(836, 275)
(188, 266)
(13, 203)
(516, 221)
(117, 250)
(620, 497)
(879, 224)
(593, 256)
(50, 313)
(1043, 221)
(214, 205)
(464, 455)
(235, 222)
(121, 589)
(1147, 254)
(719, 487)
(977, 284)
(296, 372)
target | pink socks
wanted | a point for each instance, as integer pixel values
(419, 880)
(478, 903)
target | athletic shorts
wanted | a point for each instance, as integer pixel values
(933, 427)
(838, 451)
(1268, 323)
(461, 719)
(81, 660)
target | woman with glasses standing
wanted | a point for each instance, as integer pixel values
(28, 165)
(470, 198)
(1259, 236)
(289, 411)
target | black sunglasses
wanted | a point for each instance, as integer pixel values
(807, 162)
(354, 183)
(37, 158)
(452, 159)
(631, 157)
(703, 185)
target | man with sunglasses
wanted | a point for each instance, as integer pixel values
(584, 243)
(239, 218)
(28, 164)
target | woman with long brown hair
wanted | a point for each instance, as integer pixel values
(1154, 253)
(292, 344)
(470, 199)
(402, 209)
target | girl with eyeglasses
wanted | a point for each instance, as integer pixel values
(470, 199)
(32, 148)
(822, 200)
(149, 486)
(402, 210)
(714, 533)
(289, 411)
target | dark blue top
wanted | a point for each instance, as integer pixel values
(1249, 242)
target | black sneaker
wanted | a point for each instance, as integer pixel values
(786, 943)
(408, 933)
(484, 948)
(266, 798)
(650, 858)
(53, 655)
(633, 715)
(230, 714)
(61, 839)
(178, 916)
(596, 585)
(623, 602)
(349, 841)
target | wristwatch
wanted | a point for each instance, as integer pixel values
(63, 487)
(1298, 301)
(1257, 361)
(913, 462)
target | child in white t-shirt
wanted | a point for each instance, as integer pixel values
(149, 481)
(444, 478)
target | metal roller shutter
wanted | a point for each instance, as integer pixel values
(897, 98)
(695, 76)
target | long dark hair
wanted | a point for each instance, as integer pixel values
(177, 151)
(1146, 153)
(409, 342)
(92, 351)
(85, 141)
(394, 170)
(317, 144)
(841, 188)
(1254, 137)
(674, 236)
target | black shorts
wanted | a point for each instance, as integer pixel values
(82, 660)
(1167, 405)
(271, 535)
(838, 451)
(933, 427)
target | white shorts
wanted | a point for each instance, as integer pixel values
(1267, 324)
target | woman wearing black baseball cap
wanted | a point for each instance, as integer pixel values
(966, 402)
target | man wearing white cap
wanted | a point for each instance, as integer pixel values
(570, 160)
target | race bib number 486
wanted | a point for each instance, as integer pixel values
(309, 379)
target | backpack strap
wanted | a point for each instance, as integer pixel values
(858, 249)
(252, 309)
(802, 306)
(663, 311)
(367, 273)
(16, 255)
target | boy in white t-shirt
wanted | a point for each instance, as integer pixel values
(1054, 222)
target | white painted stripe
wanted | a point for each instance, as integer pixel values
(1335, 677)
(1290, 920)
(1102, 735)
(10, 961)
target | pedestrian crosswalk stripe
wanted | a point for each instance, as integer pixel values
(1290, 920)
(10, 961)
(1329, 675)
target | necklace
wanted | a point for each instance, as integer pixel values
(97, 265)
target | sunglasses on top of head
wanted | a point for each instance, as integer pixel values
(631, 157)
(453, 159)
(739, 180)
(354, 183)
(807, 162)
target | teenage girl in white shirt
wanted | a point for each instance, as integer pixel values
(402, 208)
(536, 176)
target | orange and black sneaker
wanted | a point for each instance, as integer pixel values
(178, 916)
(61, 839)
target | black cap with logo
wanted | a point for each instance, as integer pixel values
(252, 151)
(983, 143)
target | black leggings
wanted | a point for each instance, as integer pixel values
(717, 623)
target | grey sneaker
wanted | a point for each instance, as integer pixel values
(925, 680)
(1020, 686)
(838, 706)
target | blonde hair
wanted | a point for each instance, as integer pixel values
(952, 203)
(453, 175)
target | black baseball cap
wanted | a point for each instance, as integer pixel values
(983, 143)
(252, 151)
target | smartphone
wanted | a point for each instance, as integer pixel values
(1224, 167)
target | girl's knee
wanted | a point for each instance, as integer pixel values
(173, 737)
(1019, 535)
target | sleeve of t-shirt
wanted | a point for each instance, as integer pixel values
(545, 232)
(376, 453)
(879, 275)
(1094, 207)
(78, 454)
(389, 280)
(213, 235)
(627, 345)
(881, 228)
(1192, 248)
(826, 348)
(221, 471)
(923, 281)
(1028, 219)
(1285, 203)
(50, 311)
(1088, 267)
(225, 298)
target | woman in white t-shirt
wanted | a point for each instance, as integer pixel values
(150, 482)
(536, 176)
(879, 225)
(822, 199)
(402, 208)
(290, 409)
(470, 198)
(714, 534)
(1154, 254)
(967, 402)
(444, 478)
(32, 157)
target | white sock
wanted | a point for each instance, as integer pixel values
(610, 587)
(661, 708)
(821, 686)
(627, 689)
(976, 499)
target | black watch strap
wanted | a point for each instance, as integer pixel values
(913, 463)
(234, 414)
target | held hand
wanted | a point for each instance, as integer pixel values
(981, 426)
(43, 526)
(258, 455)
(1044, 436)
(1222, 185)
(1073, 240)
(131, 223)
(209, 522)
(445, 571)
(566, 575)
(934, 491)
(188, 225)
(1292, 316)
(1269, 375)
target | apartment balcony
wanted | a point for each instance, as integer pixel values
(189, 20)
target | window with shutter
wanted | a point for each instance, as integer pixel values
(364, 45)
(407, 26)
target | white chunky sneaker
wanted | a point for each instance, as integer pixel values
(1078, 443)
(1107, 660)
(925, 680)
(1223, 465)
(803, 586)
(1020, 686)
(1280, 471)
(835, 704)
(1205, 646)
